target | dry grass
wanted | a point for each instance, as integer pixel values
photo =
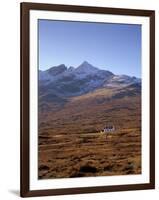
(71, 145)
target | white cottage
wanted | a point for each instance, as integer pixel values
(108, 129)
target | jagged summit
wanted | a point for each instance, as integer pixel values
(57, 70)
(86, 67)
(86, 63)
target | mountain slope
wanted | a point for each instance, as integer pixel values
(63, 82)
(70, 135)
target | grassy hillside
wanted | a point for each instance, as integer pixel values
(70, 142)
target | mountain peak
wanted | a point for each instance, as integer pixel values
(57, 69)
(85, 63)
(86, 67)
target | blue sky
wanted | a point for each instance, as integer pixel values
(114, 47)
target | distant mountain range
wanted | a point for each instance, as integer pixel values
(67, 82)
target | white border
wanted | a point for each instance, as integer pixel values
(36, 184)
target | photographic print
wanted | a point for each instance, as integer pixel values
(87, 99)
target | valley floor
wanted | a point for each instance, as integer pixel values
(91, 154)
(71, 145)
